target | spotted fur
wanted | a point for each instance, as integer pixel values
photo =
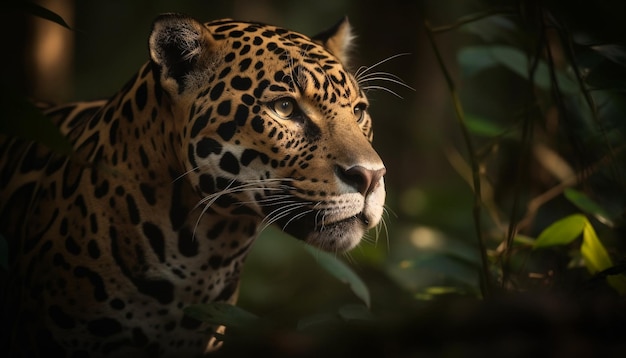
(230, 127)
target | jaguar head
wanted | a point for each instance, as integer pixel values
(272, 125)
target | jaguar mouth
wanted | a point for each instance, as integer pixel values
(347, 220)
(339, 235)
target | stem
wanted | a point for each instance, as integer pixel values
(568, 50)
(471, 18)
(535, 203)
(523, 163)
(485, 281)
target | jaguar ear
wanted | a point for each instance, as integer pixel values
(337, 40)
(179, 45)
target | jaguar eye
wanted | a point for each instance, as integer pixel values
(285, 107)
(359, 112)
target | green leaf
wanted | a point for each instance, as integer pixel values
(221, 313)
(483, 127)
(317, 320)
(355, 313)
(597, 259)
(347, 313)
(342, 272)
(517, 61)
(562, 232)
(39, 11)
(433, 292)
(595, 255)
(450, 266)
(497, 27)
(584, 203)
(474, 59)
(614, 52)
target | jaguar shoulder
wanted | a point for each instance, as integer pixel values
(229, 127)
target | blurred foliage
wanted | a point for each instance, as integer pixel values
(506, 166)
(36, 10)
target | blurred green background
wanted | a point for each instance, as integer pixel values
(540, 86)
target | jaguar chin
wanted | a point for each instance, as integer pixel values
(333, 225)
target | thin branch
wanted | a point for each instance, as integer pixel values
(568, 50)
(540, 200)
(522, 166)
(485, 281)
(471, 18)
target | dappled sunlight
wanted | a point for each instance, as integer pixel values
(53, 53)
(425, 238)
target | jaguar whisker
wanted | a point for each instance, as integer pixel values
(364, 69)
(376, 77)
(269, 219)
(296, 217)
(382, 88)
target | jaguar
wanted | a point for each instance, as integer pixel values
(228, 128)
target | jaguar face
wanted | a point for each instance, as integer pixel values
(281, 133)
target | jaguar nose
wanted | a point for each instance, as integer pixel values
(362, 179)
